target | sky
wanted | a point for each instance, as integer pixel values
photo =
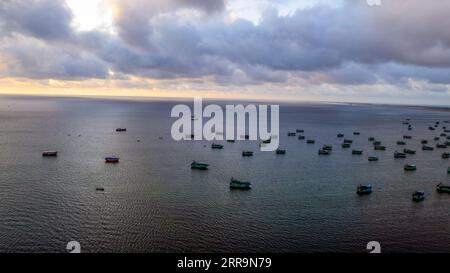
(342, 50)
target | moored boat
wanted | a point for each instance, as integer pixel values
(441, 146)
(241, 185)
(364, 189)
(401, 143)
(380, 148)
(310, 141)
(247, 153)
(446, 155)
(324, 152)
(121, 129)
(410, 167)
(407, 137)
(327, 147)
(216, 146)
(301, 137)
(371, 138)
(409, 151)
(418, 196)
(300, 131)
(399, 155)
(427, 148)
(373, 158)
(356, 133)
(424, 141)
(280, 151)
(112, 159)
(357, 152)
(340, 135)
(100, 189)
(346, 145)
(348, 141)
(50, 153)
(199, 165)
(291, 133)
(441, 188)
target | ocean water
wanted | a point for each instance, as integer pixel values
(154, 202)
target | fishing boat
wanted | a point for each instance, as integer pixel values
(280, 151)
(199, 165)
(401, 143)
(291, 133)
(410, 152)
(427, 148)
(310, 141)
(240, 185)
(379, 148)
(399, 155)
(121, 129)
(441, 146)
(216, 146)
(348, 141)
(112, 159)
(371, 139)
(373, 158)
(324, 152)
(364, 189)
(357, 152)
(441, 188)
(301, 137)
(346, 145)
(424, 141)
(418, 196)
(340, 135)
(446, 155)
(49, 153)
(410, 167)
(247, 153)
(327, 147)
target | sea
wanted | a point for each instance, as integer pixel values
(154, 202)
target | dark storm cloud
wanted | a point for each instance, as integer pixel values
(32, 58)
(351, 44)
(45, 19)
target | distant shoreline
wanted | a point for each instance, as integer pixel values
(437, 108)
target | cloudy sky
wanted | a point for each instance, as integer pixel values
(345, 50)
